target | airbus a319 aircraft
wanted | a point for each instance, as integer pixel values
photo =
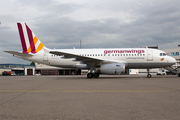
(113, 61)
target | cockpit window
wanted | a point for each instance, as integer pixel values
(163, 54)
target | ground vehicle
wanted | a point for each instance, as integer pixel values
(161, 72)
(12, 73)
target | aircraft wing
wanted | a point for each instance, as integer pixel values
(78, 57)
(86, 59)
(19, 54)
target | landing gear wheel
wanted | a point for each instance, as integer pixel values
(96, 75)
(149, 76)
(179, 75)
(89, 75)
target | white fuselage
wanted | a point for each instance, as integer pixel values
(131, 57)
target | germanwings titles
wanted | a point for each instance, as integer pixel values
(124, 51)
(113, 61)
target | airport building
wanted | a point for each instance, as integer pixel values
(42, 69)
(19, 69)
(38, 69)
(175, 54)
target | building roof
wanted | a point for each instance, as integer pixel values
(15, 65)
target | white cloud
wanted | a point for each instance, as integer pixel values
(98, 23)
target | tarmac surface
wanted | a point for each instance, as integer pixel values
(125, 97)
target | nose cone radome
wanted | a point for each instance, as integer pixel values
(172, 60)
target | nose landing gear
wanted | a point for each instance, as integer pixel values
(148, 75)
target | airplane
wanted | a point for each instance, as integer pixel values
(112, 61)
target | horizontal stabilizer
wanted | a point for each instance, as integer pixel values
(19, 54)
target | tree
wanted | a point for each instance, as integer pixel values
(32, 63)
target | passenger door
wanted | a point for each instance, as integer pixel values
(150, 55)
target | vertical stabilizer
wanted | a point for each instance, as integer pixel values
(30, 43)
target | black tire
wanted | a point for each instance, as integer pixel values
(149, 76)
(89, 75)
(96, 75)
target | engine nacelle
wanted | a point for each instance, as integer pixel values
(112, 69)
(81, 66)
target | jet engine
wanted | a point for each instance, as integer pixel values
(81, 66)
(112, 69)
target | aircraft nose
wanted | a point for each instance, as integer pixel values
(172, 60)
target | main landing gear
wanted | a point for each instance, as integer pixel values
(91, 75)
